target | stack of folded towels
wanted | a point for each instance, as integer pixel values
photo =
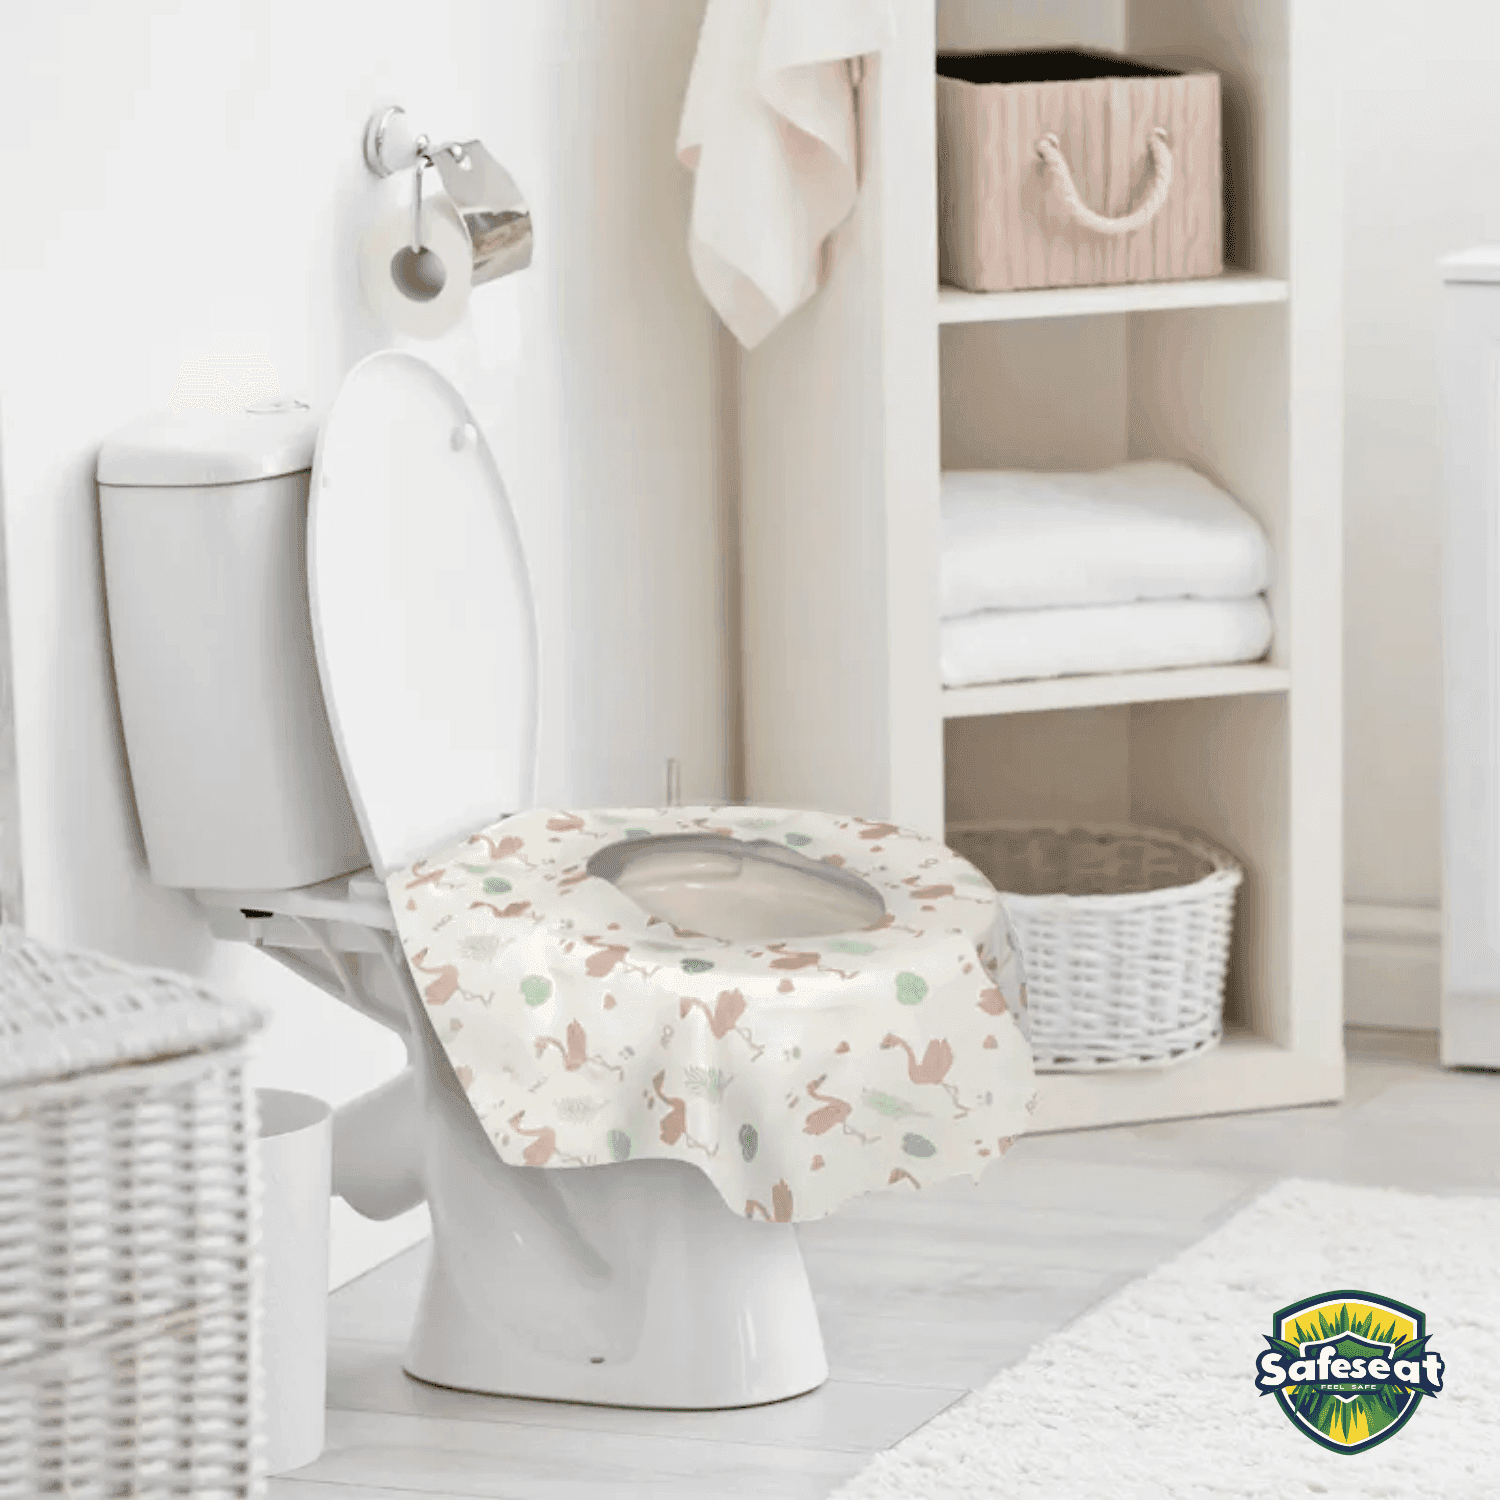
(1133, 568)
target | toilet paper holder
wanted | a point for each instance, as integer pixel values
(494, 213)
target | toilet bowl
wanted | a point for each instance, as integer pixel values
(327, 675)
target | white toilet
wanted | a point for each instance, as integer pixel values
(326, 658)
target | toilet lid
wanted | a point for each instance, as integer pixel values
(422, 612)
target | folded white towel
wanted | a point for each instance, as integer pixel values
(1016, 539)
(1009, 645)
(768, 127)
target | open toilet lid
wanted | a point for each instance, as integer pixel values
(422, 612)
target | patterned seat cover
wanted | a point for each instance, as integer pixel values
(795, 1074)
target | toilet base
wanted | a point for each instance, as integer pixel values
(631, 1284)
(684, 1307)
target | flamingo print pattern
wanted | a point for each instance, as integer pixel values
(796, 1074)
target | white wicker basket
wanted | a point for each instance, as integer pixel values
(127, 1232)
(1124, 934)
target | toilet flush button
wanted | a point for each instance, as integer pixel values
(464, 436)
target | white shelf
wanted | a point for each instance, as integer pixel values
(1243, 1072)
(1235, 288)
(849, 414)
(1038, 696)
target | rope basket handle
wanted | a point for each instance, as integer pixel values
(1049, 148)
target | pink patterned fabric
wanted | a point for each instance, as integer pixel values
(795, 1074)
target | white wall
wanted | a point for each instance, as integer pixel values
(188, 186)
(1422, 178)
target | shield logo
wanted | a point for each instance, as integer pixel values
(1349, 1369)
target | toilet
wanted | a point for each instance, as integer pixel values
(327, 666)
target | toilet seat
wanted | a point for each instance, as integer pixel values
(795, 1074)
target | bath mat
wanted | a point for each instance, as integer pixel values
(1151, 1396)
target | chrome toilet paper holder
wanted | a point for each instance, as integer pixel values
(494, 213)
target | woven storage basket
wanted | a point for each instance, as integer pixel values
(1076, 169)
(127, 1232)
(1124, 933)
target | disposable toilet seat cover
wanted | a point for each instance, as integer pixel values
(796, 1074)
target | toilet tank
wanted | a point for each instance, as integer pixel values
(204, 523)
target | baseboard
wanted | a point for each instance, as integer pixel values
(1392, 966)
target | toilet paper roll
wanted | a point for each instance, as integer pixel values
(444, 234)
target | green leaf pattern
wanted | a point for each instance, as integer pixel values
(706, 1083)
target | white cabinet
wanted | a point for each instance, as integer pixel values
(851, 410)
(1471, 650)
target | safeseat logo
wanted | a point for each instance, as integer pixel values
(1349, 1369)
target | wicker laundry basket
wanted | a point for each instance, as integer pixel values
(127, 1232)
(1124, 933)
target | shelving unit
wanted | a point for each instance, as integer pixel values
(850, 412)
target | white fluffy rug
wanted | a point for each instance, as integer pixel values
(1151, 1396)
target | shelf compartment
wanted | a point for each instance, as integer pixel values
(1235, 288)
(1040, 695)
(1244, 1072)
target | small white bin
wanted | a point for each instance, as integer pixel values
(296, 1154)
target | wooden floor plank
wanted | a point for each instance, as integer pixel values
(843, 1416)
(508, 1461)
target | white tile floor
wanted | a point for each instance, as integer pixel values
(922, 1299)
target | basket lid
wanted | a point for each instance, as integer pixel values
(64, 1013)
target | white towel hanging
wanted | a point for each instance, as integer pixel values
(770, 128)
